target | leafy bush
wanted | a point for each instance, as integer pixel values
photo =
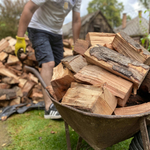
(10, 12)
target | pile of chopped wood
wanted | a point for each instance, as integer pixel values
(17, 86)
(108, 75)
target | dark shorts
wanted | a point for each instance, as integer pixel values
(48, 46)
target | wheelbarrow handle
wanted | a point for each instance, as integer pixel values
(37, 74)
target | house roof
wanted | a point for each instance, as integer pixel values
(67, 28)
(135, 27)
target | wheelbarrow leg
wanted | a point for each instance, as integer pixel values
(144, 134)
(67, 136)
(79, 143)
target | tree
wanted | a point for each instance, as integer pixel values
(10, 12)
(111, 9)
(146, 4)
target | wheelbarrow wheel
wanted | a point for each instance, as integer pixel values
(136, 143)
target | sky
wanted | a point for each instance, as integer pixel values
(131, 7)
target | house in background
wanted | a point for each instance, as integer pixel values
(94, 22)
(135, 28)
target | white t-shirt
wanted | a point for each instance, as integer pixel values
(51, 14)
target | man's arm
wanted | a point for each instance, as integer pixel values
(26, 16)
(76, 25)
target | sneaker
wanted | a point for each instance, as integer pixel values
(52, 113)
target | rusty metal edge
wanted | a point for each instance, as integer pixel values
(105, 116)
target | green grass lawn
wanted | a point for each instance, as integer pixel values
(30, 131)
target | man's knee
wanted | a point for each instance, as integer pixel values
(47, 65)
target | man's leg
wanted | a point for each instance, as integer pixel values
(46, 74)
(45, 58)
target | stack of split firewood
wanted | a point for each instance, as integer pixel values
(105, 74)
(108, 75)
(17, 86)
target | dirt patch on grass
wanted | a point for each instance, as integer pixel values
(4, 136)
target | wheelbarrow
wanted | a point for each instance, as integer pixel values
(99, 131)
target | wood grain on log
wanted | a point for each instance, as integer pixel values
(81, 46)
(90, 99)
(128, 47)
(118, 64)
(28, 88)
(7, 94)
(3, 44)
(4, 86)
(3, 56)
(74, 63)
(61, 80)
(137, 109)
(95, 75)
(67, 52)
(99, 38)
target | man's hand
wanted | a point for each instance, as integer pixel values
(20, 44)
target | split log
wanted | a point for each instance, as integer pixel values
(28, 88)
(74, 63)
(7, 94)
(109, 45)
(3, 56)
(4, 86)
(99, 38)
(6, 72)
(17, 66)
(12, 60)
(31, 56)
(8, 38)
(3, 44)
(9, 50)
(118, 64)
(23, 56)
(10, 80)
(90, 99)
(31, 77)
(61, 80)
(15, 101)
(18, 91)
(127, 46)
(30, 63)
(17, 72)
(12, 42)
(67, 52)
(36, 95)
(22, 82)
(81, 46)
(137, 109)
(1, 65)
(95, 75)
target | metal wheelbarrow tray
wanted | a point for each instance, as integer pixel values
(101, 131)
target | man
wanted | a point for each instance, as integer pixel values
(43, 19)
